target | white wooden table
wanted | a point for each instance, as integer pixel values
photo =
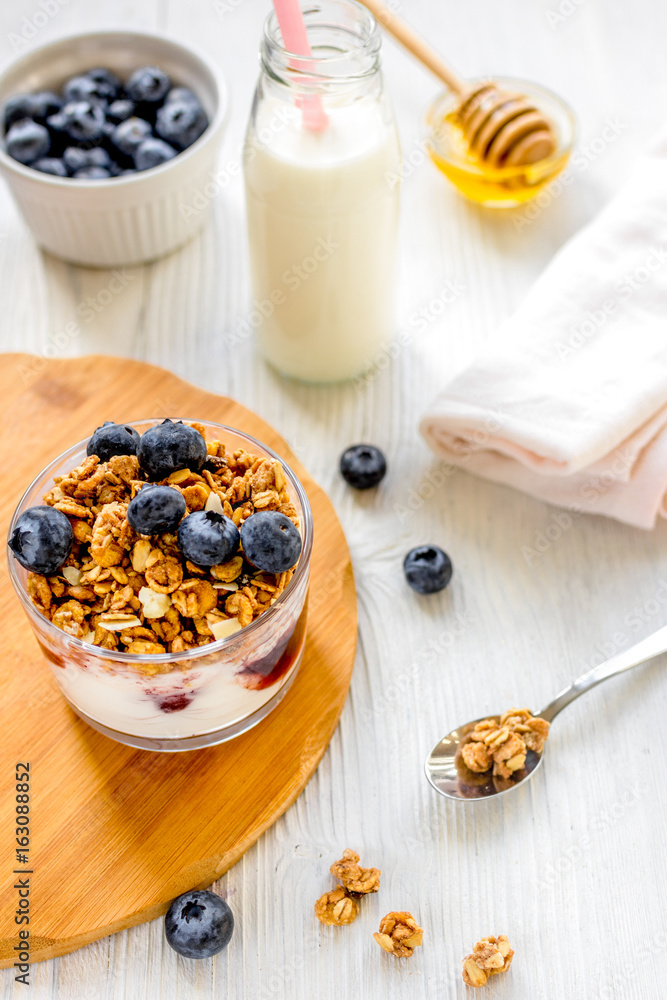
(573, 867)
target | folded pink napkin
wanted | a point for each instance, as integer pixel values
(568, 401)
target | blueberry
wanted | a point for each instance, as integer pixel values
(81, 121)
(182, 94)
(180, 123)
(45, 103)
(119, 111)
(76, 158)
(151, 153)
(17, 108)
(271, 542)
(170, 446)
(148, 85)
(42, 540)
(113, 439)
(363, 466)
(92, 174)
(156, 509)
(50, 165)
(127, 136)
(427, 569)
(84, 88)
(199, 924)
(207, 538)
(35, 106)
(27, 141)
(108, 82)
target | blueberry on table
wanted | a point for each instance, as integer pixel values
(199, 924)
(207, 538)
(42, 540)
(170, 446)
(427, 569)
(113, 439)
(156, 509)
(27, 141)
(151, 153)
(363, 466)
(148, 86)
(271, 542)
(129, 135)
(180, 123)
(51, 165)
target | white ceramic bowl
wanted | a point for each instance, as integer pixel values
(129, 219)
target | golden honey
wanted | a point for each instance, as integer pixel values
(497, 187)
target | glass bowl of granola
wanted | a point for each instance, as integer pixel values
(148, 646)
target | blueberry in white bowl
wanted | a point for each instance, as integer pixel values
(27, 141)
(152, 153)
(51, 165)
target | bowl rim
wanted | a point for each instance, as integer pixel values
(213, 128)
(218, 645)
(498, 173)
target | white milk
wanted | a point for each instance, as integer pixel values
(322, 213)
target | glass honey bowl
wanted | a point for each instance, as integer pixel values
(497, 187)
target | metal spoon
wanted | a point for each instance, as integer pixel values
(451, 777)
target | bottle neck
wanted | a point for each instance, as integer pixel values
(345, 45)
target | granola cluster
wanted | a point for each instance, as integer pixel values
(490, 956)
(352, 876)
(121, 590)
(502, 744)
(399, 934)
(340, 906)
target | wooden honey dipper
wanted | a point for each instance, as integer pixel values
(502, 129)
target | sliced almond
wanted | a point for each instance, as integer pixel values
(214, 503)
(225, 628)
(154, 604)
(226, 586)
(72, 575)
(118, 622)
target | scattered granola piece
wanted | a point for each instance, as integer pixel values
(336, 908)
(352, 876)
(399, 934)
(490, 956)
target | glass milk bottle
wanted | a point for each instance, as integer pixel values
(321, 160)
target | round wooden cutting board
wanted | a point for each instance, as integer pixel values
(117, 833)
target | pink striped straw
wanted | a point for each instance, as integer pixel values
(295, 39)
